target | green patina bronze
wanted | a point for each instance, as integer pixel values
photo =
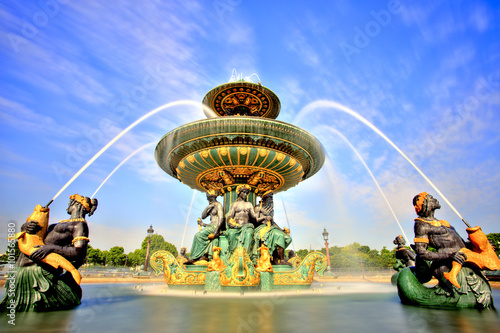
(474, 291)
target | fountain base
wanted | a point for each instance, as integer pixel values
(238, 274)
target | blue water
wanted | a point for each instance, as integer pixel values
(332, 307)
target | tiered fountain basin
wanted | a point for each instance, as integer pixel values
(221, 153)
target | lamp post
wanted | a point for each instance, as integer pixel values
(150, 234)
(325, 237)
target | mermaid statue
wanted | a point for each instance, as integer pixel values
(40, 284)
(442, 254)
(404, 257)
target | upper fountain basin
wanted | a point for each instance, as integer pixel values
(218, 152)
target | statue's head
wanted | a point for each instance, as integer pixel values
(183, 250)
(267, 196)
(291, 254)
(425, 203)
(81, 203)
(243, 189)
(399, 240)
(212, 194)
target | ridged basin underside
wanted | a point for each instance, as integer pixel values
(218, 153)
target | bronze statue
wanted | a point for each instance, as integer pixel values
(240, 217)
(437, 233)
(467, 287)
(182, 257)
(207, 238)
(269, 233)
(39, 286)
(404, 256)
(293, 258)
(183, 253)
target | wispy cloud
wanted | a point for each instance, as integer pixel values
(298, 43)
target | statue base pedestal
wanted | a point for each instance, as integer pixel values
(266, 281)
(212, 282)
(239, 273)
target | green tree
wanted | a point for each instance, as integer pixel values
(494, 239)
(302, 253)
(388, 258)
(95, 256)
(116, 256)
(364, 249)
(136, 258)
(105, 256)
(158, 243)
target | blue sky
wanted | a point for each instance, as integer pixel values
(426, 73)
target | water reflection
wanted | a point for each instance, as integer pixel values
(332, 307)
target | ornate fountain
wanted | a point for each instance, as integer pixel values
(242, 146)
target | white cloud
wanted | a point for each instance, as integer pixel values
(299, 44)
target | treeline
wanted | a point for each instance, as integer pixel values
(355, 256)
(352, 256)
(116, 255)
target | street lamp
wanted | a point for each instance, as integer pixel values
(150, 234)
(325, 237)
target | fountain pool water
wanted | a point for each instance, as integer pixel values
(326, 307)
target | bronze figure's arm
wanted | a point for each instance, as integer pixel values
(75, 252)
(220, 216)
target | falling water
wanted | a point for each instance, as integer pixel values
(329, 128)
(119, 165)
(208, 112)
(331, 104)
(286, 216)
(187, 218)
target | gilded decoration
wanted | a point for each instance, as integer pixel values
(181, 260)
(175, 274)
(304, 273)
(241, 102)
(295, 261)
(216, 264)
(264, 263)
(261, 179)
(239, 271)
(243, 99)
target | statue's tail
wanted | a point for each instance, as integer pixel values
(483, 254)
(55, 260)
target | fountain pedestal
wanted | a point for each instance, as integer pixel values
(239, 274)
